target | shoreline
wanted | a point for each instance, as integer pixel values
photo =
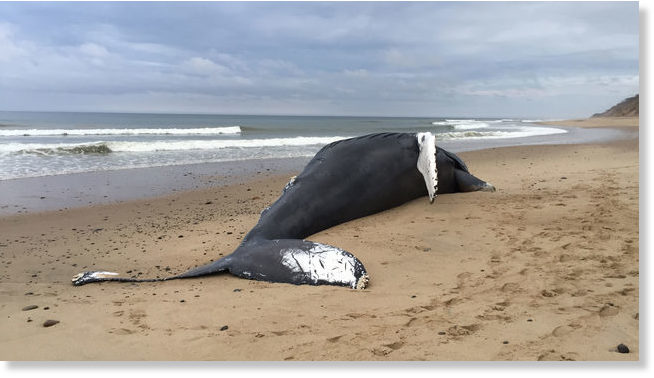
(75, 190)
(546, 268)
(66, 191)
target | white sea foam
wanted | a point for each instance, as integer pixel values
(151, 146)
(450, 122)
(95, 147)
(218, 144)
(465, 124)
(142, 131)
(516, 132)
(471, 126)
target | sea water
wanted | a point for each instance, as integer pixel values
(34, 144)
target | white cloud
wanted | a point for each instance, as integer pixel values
(369, 58)
(203, 66)
(8, 48)
(94, 50)
(359, 73)
(300, 25)
(149, 48)
(542, 88)
(412, 59)
(278, 66)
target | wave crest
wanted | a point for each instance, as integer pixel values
(519, 132)
(465, 124)
(142, 131)
(103, 147)
(89, 149)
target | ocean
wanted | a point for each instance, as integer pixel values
(34, 144)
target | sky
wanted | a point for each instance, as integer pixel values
(456, 59)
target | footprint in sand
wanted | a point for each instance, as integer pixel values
(608, 310)
(562, 330)
(386, 349)
(510, 287)
(395, 346)
(548, 293)
(457, 330)
(464, 280)
(553, 355)
(121, 331)
(410, 322)
(334, 339)
(452, 301)
(137, 317)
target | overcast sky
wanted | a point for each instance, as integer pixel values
(552, 60)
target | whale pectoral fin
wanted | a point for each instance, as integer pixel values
(298, 262)
(469, 183)
(427, 163)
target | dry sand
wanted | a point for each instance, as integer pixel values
(597, 122)
(546, 268)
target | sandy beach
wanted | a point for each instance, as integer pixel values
(546, 268)
(616, 122)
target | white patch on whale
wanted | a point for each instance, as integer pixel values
(289, 185)
(324, 263)
(80, 278)
(427, 162)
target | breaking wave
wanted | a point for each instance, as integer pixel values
(141, 131)
(465, 124)
(82, 149)
(517, 133)
(102, 147)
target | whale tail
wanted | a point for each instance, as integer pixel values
(285, 260)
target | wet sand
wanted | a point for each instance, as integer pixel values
(546, 268)
(67, 191)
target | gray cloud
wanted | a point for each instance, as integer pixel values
(468, 59)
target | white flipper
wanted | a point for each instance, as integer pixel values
(325, 264)
(427, 162)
